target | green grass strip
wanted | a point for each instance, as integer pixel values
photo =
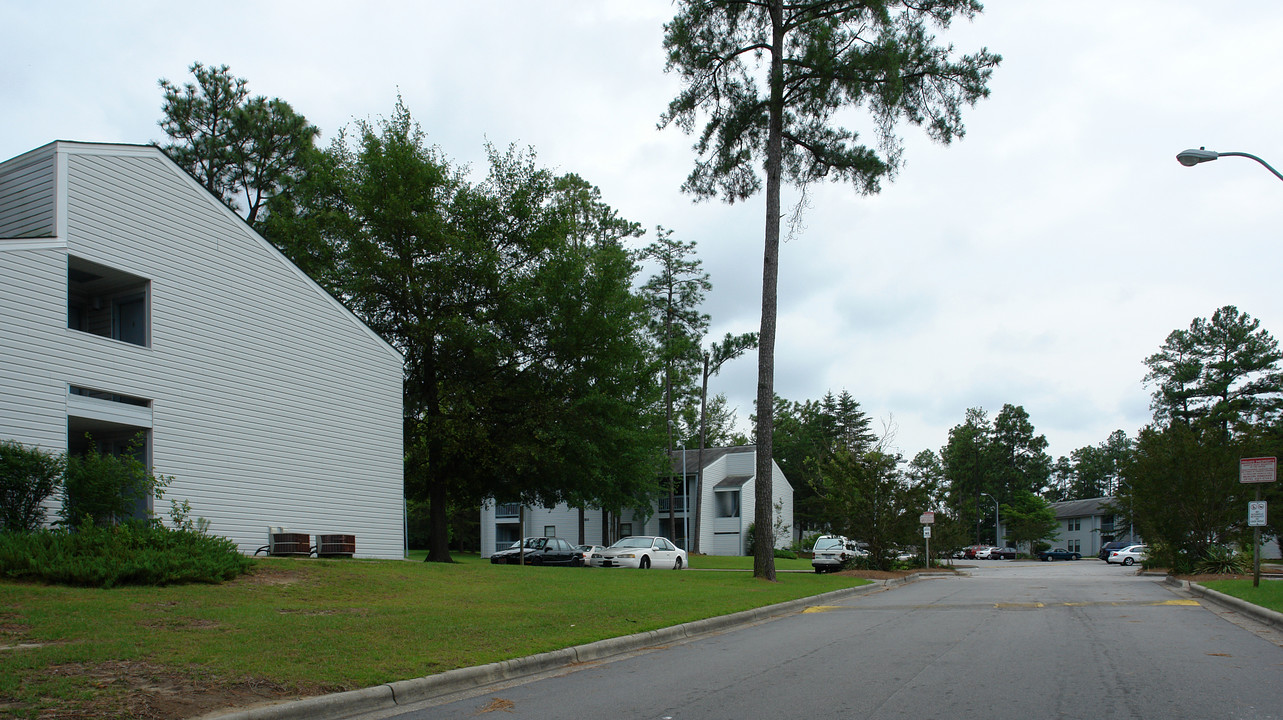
(1268, 595)
(335, 625)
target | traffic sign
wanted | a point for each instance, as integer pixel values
(927, 518)
(1257, 470)
(1256, 513)
(926, 531)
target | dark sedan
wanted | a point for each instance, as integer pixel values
(1058, 554)
(539, 551)
(1004, 553)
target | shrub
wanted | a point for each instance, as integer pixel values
(1221, 560)
(28, 476)
(805, 543)
(787, 554)
(133, 553)
(103, 488)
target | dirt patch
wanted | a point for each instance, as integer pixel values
(265, 574)
(151, 692)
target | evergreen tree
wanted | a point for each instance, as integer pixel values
(820, 57)
(242, 149)
(1222, 371)
(673, 295)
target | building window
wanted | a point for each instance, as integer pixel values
(107, 302)
(728, 503)
(1075, 524)
(550, 531)
(625, 529)
(507, 510)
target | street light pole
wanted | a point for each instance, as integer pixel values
(1190, 158)
(997, 524)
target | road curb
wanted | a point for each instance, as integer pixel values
(1229, 602)
(405, 692)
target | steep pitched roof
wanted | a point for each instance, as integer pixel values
(711, 455)
(51, 226)
(1082, 508)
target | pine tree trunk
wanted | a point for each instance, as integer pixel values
(764, 552)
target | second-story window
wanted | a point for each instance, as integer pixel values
(108, 302)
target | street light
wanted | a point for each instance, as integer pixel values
(996, 523)
(1190, 158)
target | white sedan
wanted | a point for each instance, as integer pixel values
(641, 551)
(1127, 556)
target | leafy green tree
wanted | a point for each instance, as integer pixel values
(527, 373)
(1182, 493)
(808, 433)
(1028, 518)
(966, 468)
(1003, 458)
(1092, 471)
(871, 500)
(820, 57)
(28, 476)
(103, 488)
(1017, 455)
(1222, 371)
(241, 149)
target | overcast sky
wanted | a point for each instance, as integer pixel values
(1035, 262)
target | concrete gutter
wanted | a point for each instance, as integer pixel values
(1229, 602)
(406, 692)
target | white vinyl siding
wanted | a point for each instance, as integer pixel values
(271, 404)
(27, 195)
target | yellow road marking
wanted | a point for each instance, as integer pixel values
(1019, 605)
(1178, 602)
(821, 608)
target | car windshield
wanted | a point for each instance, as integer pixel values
(633, 542)
(827, 544)
(535, 543)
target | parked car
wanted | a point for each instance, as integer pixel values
(831, 553)
(641, 551)
(1111, 546)
(585, 553)
(1058, 554)
(539, 551)
(1003, 553)
(1129, 555)
(982, 552)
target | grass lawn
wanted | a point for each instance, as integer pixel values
(1268, 595)
(307, 626)
(745, 562)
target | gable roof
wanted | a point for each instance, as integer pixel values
(1082, 508)
(711, 455)
(55, 226)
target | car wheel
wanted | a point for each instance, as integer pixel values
(1128, 561)
(536, 560)
(645, 563)
(677, 565)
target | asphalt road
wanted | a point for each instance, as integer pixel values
(1015, 640)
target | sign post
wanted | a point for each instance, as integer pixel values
(1257, 471)
(926, 519)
